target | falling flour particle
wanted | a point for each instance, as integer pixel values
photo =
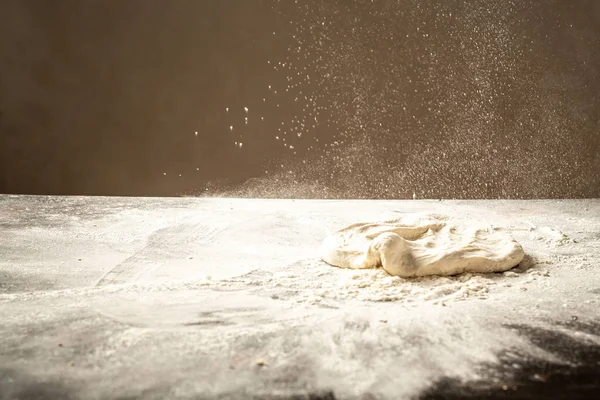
(421, 245)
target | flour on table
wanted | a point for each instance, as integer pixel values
(422, 245)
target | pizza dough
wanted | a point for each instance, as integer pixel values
(421, 245)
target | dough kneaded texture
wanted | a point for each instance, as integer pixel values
(421, 245)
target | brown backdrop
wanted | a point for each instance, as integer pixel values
(376, 99)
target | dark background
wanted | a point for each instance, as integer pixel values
(367, 98)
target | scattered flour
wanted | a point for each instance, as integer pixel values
(312, 282)
(551, 236)
(422, 245)
(308, 282)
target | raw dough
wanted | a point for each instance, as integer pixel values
(420, 245)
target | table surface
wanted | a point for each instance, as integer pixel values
(104, 298)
